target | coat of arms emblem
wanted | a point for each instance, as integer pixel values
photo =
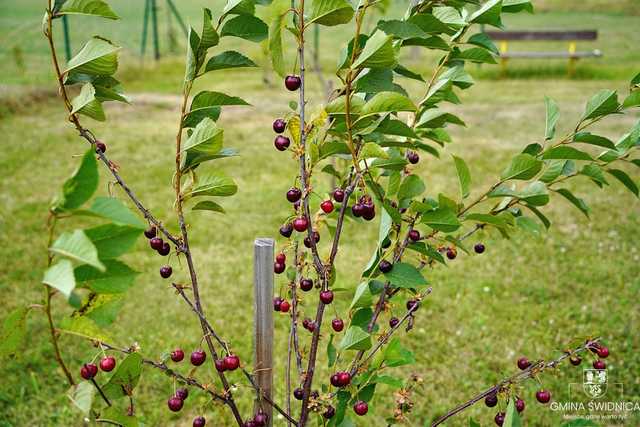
(594, 382)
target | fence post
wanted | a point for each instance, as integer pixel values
(263, 320)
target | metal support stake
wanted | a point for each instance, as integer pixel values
(263, 321)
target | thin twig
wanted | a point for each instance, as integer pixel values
(263, 396)
(530, 372)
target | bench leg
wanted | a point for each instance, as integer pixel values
(572, 60)
(503, 61)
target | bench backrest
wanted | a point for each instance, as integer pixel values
(543, 35)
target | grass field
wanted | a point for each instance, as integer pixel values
(527, 296)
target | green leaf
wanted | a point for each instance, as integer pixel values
(495, 220)
(387, 102)
(580, 422)
(396, 355)
(633, 100)
(535, 193)
(85, 327)
(430, 24)
(276, 51)
(115, 210)
(192, 64)
(476, 55)
(489, 14)
(449, 15)
(566, 152)
(87, 104)
(97, 57)
(588, 138)
(81, 395)
(594, 172)
(103, 309)
(435, 118)
(208, 205)
(553, 114)
(393, 163)
(209, 37)
(464, 176)
(523, 167)
(484, 41)
(126, 377)
(355, 338)
(441, 219)
(411, 187)
(77, 246)
(512, 419)
(117, 277)
(79, 188)
(60, 276)
(515, 6)
(228, 59)
(112, 240)
(625, 179)
(206, 137)
(403, 30)
(601, 104)
(372, 150)
(404, 275)
(577, 202)
(14, 330)
(378, 52)
(426, 250)
(239, 7)
(332, 353)
(362, 296)
(246, 27)
(529, 225)
(88, 7)
(330, 12)
(213, 184)
(473, 423)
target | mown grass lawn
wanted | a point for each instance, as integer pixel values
(525, 296)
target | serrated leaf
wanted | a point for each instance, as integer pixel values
(577, 202)
(601, 104)
(372, 150)
(387, 102)
(103, 309)
(402, 30)
(553, 114)
(79, 188)
(633, 100)
(117, 278)
(566, 153)
(395, 354)
(330, 12)
(77, 246)
(588, 138)
(228, 59)
(355, 338)
(116, 416)
(87, 104)
(594, 172)
(535, 193)
(14, 330)
(512, 419)
(495, 220)
(378, 52)
(276, 51)
(464, 176)
(98, 57)
(206, 137)
(529, 225)
(84, 327)
(81, 395)
(331, 352)
(441, 219)
(208, 205)
(478, 55)
(115, 210)
(625, 180)
(112, 240)
(246, 27)
(88, 7)
(426, 250)
(515, 6)
(488, 13)
(484, 41)
(404, 275)
(60, 276)
(411, 187)
(213, 184)
(522, 167)
(126, 377)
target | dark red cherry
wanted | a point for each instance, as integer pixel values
(278, 268)
(219, 365)
(286, 230)
(414, 235)
(279, 125)
(108, 363)
(175, 403)
(101, 147)
(292, 82)
(199, 422)
(177, 355)
(361, 408)
(327, 206)
(393, 322)
(165, 250)
(599, 364)
(543, 396)
(357, 210)
(166, 271)
(338, 195)
(499, 418)
(156, 243)
(281, 143)
(281, 258)
(306, 284)
(300, 224)
(198, 357)
(575, 360)
(603, 352)
(298, 393)
(284, 306)
(385, 266)
(326, 297)
(231, 362)
(150, 232)
(479, 248)
(88, 371)
(329, 412)
(413, 157)
(520, 405)
(294, 194)
(491, 400)
(523, 363)
(337, 325)
(182, 393)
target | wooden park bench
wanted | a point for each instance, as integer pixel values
(504, 37)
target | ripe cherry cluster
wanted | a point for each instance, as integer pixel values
(163, 248)
(543, 396)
